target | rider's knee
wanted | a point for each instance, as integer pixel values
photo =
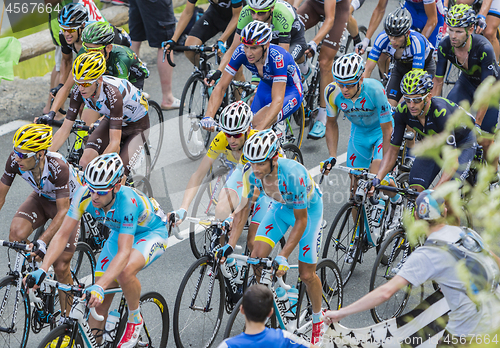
(18, 231)
(307, 275)
(325, 65)
(61, 268)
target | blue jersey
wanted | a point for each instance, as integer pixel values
(131, 213)
(297, 187)
(368, 111)
(417, 49)
(279, 66)
(275, 338)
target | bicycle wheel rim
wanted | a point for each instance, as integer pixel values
(156, 131)
(154, 312)
(8, 297)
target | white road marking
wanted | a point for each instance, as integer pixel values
(11, 126)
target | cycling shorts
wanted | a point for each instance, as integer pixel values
(235, 183)
(420, 19)
(365, 145)
(424, 170)
(210, 24)
(400, 69)
(291, 103)
(464, 89)
(356, 4)
(151, 245)
(38, 210)
(279, 218)
(298, 44)
(494, 9)
(134, 136)
(311, 12)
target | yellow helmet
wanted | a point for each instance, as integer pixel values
(33, 137)
(89, 66)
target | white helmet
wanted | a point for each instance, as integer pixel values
(261, 146)
(236, 118)
(256, 33)
(104, 171)
(260, 4)
(348, 67)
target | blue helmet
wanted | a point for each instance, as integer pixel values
(73, 15)
(261, 146)
(428, 207)
(104, 171)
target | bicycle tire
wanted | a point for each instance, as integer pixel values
(9, 296)
(293, 152)
(200, 238)
(83, 264)
(154, 312)
(396, 244)
(60, 336)
(332, 297)
(156, 131)
(297, 122)
(311, 99)
(207, 322)
(142, 184)
(339, 239)
(194, 139)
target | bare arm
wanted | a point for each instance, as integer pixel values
(62, 208)
(376, 18)
(278, 95)
(195, 181)
(296, 232)
(115, 137)
(332, 137)
(59, 241)
(330, 7)
(227, 56)
(184, 19)
(388, 161)
(66, 63)
(240, 216)
(431, 12)
(386, 134)
(63, 93)
(3, 193)
(232, 25)
(62, 134)
(218, 93)
(438, 86)
(370, 65)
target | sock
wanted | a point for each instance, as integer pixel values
(396, 199)
(134, 316)
(321, 115)
(303, 67)
(317, 318)
(356, 39)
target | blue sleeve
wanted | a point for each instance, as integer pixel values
(381, 103)
(298, 184)
(236, 3)
(237, 60)
(380, 44)
(488, 63)
(399, 125)
(278, 64)
(247, 179)
(128, 211)
(442, 61)
(418, 46)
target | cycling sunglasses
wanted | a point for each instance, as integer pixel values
(24, 155)
(85, 84)
(260, 12)
(90, 49)
(69, 30)
(100, 192)
(236, 136)
(348, 85)
(416, 100)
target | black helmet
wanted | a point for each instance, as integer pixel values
(73, 15)
(398, 22)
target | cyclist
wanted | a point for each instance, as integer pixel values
(54, 183)
(428, 19)
(474, 56)
(257, 307)
(235, 122)
(221, 16)
(466, 317)
(279, 93)
(410, 50)
(296, 202)
(126, 123)
(137, 238)
(336, 16)
(427, 115)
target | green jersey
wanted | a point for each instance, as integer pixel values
(282, 21)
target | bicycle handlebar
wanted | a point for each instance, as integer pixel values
(403, 191)
(15, 245)
(78, 125)
(192, 48)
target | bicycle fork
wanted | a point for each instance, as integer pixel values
(207, 308)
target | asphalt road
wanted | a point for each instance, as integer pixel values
(170, 179)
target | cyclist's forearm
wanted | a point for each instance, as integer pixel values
(388, 161)
(59, 241)
(430, 25)
(65, 71)
(215, 101)
(370, 65)
(62, 95)
(183, 21)
(4, 189)
(438, 86)
(227, 56)
(231, 27)
(240, 217)
(325, 28)
(485, 7)
(386, 136)
(376, 18)
(480, 115)
(54, 226)
(61, 135)
(332, 136)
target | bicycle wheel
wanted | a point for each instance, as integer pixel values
(332, 297)
(60, 337)
(204, 207)
(295, 127)
(450, 79)
(194, 100)
(291, 151)
(83, 264)
(393, 252)
(156, 131)
(341, 241)
(141, 183)
(142, 164)
(154, 312)
(311, 99)
(9, 299)
(197, 321)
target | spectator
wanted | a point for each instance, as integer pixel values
(155, 22)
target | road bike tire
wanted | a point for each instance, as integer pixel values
(154, 312)
(156, 131)
(141, 183)
(83, 264)
(332, 297)
(194, 100)
(297, 121)
(204, 207)
(8, 297)
(60, 336)
(311, 99)
(396, 243)
(205, 323)
(339, 239)
(293, 152)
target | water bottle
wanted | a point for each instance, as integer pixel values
(293, 297)
(283, 301)
(111, 322)
(377, 213)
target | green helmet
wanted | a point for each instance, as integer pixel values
(461, 16)
(98, 33)
(417, 81)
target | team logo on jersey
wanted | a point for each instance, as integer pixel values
(269, 228)
(343, 106)
(279, 62)
(306, 249)
(294, 101)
